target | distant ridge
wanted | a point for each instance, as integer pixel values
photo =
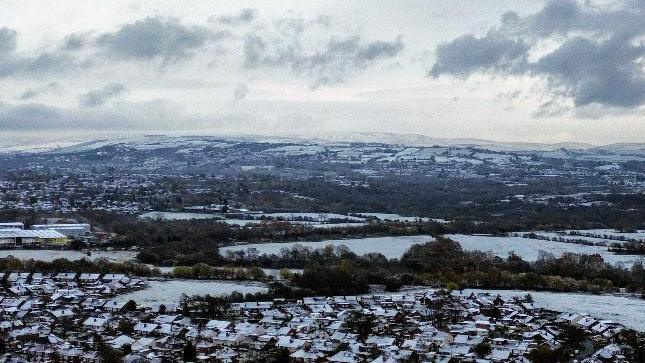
(423, 140)
(619, 151)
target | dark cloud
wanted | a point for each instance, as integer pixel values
(604, 72)
(102, 95)
(154, 38)
(244, 17)
(598, 60)
(468, 54)
(330, 62)
(37, 92)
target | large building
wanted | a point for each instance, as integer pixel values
(69, 230)
(18, 225)
(25, 237)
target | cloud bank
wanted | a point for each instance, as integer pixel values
(598, 58)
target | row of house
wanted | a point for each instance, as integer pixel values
(66, 316)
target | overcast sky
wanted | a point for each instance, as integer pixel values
(516, 70)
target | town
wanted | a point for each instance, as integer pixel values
(72, 317)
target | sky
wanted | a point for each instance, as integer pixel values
(520, 70)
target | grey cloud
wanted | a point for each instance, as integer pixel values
(240, 93)
(14, 64)
(244, 17)
(604, 72)
(7, 41)
(40, 65)
(330, 63)
(37, 92)
(26, 116)
(468, 54)
(598, 59)
(340, 58)
(154, 38)
(254, 49)
(549, 109)
(101, 96)
(150, 116)
(74, 42)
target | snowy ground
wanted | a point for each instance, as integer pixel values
(390, 247)
(169, 291)
(176, 216)
(625, 310)
(528, 248)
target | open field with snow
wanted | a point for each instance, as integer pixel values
(625, 310)
(169, 291)
(529, 249)
(390, 247)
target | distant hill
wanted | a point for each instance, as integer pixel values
(567, 150)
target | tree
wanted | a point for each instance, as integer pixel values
(544, 354)
(190, 352)
(483, 349)
(76, 245)
(131, 305)
(281, 356)
(106, 353)
(125, 326)
(359, 323)
(126, 349)
(66, 324)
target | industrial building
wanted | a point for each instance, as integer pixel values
(69, 230)
(18, 225)
(14, 237)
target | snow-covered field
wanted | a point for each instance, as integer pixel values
(528, 248)
(625, 310)
(566, 237)
(611, 234)
(319, 216)
(595, 236)
(50, 255)
(390, 247)
(398, 217)
(318, 220)
(175, 216)
(169, 291)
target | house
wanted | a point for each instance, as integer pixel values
(65, 276)
(145, 328)
(218, 324)
(114, 305)
(89, 278)
(97, 324)
(120, 341)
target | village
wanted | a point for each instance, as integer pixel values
(79, 317)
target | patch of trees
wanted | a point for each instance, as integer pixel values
(204, 271)
(99, 265)
(443, 262)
